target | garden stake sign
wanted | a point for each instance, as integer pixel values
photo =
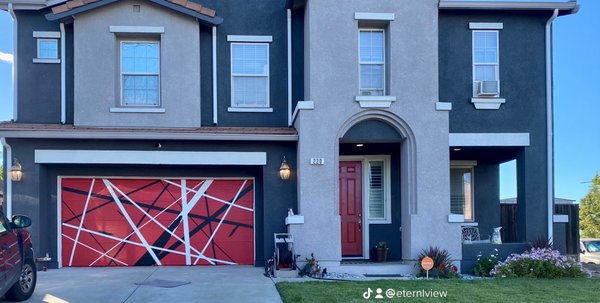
(427, 264)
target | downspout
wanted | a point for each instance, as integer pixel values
(289, 64)
(214, 73)
(14, 63)
(8, 194)
(550, 125)
(63, 81)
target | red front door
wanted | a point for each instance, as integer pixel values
(351, 208)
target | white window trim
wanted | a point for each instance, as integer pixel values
(365, 180)
(253, 107)
(366, 29)
(466, 165)
(486, 25)
(375, 16)
(121, 104)
(134, 109)
(46, 60)
(250, 109)
(497, 64)
(46, 34)
(137, 29)
(247, 38)
(38, 60)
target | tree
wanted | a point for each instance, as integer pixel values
(1, 173)
(589, 211)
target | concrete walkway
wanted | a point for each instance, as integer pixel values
(107, 285)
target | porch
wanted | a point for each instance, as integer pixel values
(471, 252)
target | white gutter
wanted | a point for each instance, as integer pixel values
(289, 64)
(550, 124)
(214, 73)
(14, 63)
(8, 194)
(63, 80)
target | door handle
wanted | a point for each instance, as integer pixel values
(359, 221)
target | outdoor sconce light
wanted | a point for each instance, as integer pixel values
(16, 172)
(284, 170)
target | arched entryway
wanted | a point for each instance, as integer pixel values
(375, 183)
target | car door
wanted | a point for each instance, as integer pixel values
(10, 258)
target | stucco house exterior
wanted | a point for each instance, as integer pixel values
(154, 132)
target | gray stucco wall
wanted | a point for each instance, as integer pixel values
(39, 83)
(36, 194)
(97, 77)
(331, 81)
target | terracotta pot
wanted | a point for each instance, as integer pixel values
(382, 254)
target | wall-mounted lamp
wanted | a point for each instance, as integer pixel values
(284, 171)
(16, 172)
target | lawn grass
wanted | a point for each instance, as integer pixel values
(492, 290)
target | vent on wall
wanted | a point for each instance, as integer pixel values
(488, 88)
(136, 8)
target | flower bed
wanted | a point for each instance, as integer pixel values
(538, 263)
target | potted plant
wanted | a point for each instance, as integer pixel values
(381, 250)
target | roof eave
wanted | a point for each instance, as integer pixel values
(565, 8)
(203, 19)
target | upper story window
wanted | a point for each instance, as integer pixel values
(374, 81)
(372, 62)
(485, 63)
(140, 73)
(250, 75)
(47, 47)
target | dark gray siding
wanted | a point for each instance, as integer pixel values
(522, 72)
(36, 194)
(252, 17)
(38, 83)
(70, 72)
(522, 84)
(297, 56)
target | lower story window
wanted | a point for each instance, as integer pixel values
(461, 192)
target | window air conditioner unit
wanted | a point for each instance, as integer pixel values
(488, 88)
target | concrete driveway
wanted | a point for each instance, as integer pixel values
(106, 285)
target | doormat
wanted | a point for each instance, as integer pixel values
(163, 283)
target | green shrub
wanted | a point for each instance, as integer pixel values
(442, 265)
(485, 264)
(538, 263)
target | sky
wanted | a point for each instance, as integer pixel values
(576, 100)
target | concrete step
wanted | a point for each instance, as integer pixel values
(368, 268)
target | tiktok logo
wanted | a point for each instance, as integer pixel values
(367, 294)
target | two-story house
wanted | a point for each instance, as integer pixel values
(177, 132)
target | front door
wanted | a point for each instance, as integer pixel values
(351, 208)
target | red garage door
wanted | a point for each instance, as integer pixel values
(127, 222)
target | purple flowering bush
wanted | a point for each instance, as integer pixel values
(538, 263)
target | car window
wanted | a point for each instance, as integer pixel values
(3, 226)
(593, 246)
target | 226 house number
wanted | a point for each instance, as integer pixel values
(317, 161)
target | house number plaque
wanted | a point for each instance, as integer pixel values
(317, 161)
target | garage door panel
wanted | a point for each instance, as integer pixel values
(123, 219)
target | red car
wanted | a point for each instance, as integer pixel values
(17, 262)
